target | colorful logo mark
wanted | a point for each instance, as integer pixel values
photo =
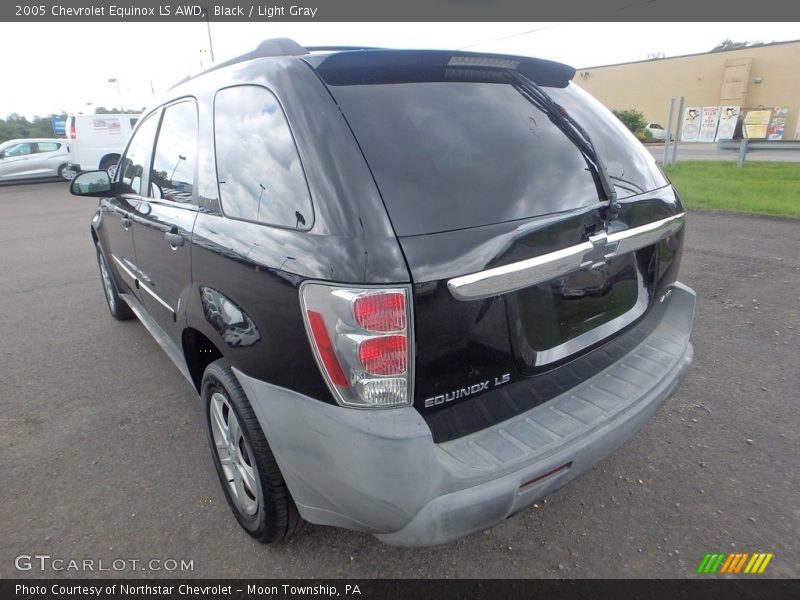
(739, 562)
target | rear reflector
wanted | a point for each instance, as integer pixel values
(326, 351)
(546, 475)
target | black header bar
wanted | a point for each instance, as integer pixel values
(397, 10)
(388, 589)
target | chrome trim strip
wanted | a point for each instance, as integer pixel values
(159, 335)
(125, 268)
(600, 248)
(157, 297)
(597, 334)
(142, 285)
(640, 237)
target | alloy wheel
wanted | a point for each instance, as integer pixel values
(235, 455)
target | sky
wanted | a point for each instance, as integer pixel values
(71, 74)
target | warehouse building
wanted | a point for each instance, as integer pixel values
(767, 75)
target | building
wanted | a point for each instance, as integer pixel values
(767, 75)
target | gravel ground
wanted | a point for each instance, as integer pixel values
(102, 454)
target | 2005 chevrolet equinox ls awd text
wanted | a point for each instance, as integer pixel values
(416, 290)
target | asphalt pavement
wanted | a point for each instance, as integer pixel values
(103, 457)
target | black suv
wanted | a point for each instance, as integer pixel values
(415, 290)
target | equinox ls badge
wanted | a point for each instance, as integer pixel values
(470, 390)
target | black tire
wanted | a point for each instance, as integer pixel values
(108, 162)
(118, 308)
(62, 173)
(276, 518)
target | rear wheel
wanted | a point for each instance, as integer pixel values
(118, 308)
(66, 173)
(253, 485)
(109, 163)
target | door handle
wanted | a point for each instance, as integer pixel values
(174, 238)
(126, 222)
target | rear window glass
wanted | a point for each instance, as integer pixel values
(632, 168)
(454, 154)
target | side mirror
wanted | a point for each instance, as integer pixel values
(96, 184)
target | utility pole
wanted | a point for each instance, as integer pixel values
(669, 131)
(681, 102)
(210, 44)
(119, 91)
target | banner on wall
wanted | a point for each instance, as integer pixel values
(708, 124)
(728, 117)
(756, 123)
(690, 128)
(778, 123)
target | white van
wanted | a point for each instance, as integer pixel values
(98, 140)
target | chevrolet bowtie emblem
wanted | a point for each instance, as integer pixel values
(602, 250)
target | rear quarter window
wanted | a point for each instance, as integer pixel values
(47, 146)
(259, 172)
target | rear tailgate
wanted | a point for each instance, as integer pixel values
(475, 179)
(551, 335)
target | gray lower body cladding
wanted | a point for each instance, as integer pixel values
(380, 471)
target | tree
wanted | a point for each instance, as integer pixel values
(728, 44)
(16, 126)
(102, 110)
(632, 119)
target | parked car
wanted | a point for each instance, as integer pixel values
(657, 131)
(416, 291)
(34, 159)
(97, 140)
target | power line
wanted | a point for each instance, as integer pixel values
(508, 37)
(586, 18)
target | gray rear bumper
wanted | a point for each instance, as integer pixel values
(380, 471)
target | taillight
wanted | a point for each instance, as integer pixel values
(361, 339)
(384, 355)
(72, 130)
(381, 311)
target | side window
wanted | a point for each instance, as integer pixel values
(134, 164)
(19, 150)
(258, 168)
(47, 147)
(174, 161)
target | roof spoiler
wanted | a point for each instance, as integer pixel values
(397, 66)
(353, 65)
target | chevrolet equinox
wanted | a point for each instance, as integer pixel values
(416, 291)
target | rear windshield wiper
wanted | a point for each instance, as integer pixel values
(574, 132)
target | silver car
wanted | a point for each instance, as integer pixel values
(34, 158)
(657, 131)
